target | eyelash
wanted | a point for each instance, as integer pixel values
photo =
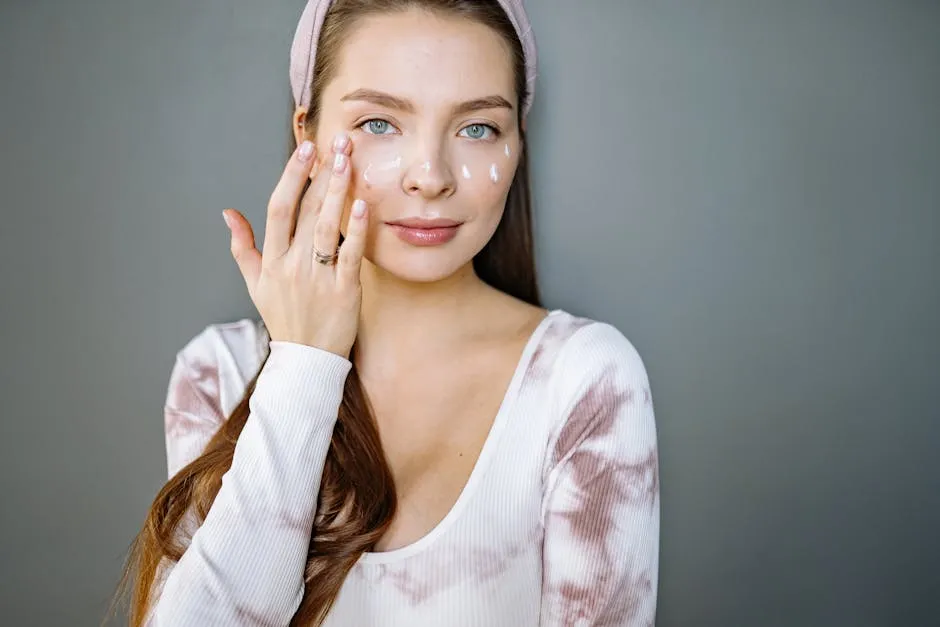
(493, 130)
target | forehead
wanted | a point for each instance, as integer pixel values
(426, 57)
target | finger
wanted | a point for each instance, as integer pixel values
(326, 231)
(280, 220)
(247, 257)
(313, 196)
(354, 245)
(321, 181)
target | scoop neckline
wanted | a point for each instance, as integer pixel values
(482, 463)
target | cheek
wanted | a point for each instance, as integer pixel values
(494, 166)
(486, 200)
(487, 174)
(376, 168)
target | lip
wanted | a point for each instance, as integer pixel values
(425, 232)
(424, 223)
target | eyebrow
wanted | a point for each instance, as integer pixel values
(393, 102)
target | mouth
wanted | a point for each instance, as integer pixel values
(424, 231)
(424, 223)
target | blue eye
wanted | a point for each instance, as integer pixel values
(479, 131)
(376, 127)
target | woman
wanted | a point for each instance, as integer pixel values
(406, 437)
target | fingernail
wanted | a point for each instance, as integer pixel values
(339, 163)
(339, 144)
(228, 221)
(359, 208)
(306, 151)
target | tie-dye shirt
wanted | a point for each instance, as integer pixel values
(557, 525)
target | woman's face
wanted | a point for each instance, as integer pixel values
(430, 106)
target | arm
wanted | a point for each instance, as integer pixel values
(245, 563)
(601, 502)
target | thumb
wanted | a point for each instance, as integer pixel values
(247, 257)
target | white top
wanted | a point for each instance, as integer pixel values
(558, 523)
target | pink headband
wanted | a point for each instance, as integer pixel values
(303, 50)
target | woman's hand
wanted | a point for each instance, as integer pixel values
(299, 298)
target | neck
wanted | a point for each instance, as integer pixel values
(401, 317)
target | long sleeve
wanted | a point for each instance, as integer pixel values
(245, 563)
(601, 501)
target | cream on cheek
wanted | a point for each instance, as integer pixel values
(377, 164)
(485, 166)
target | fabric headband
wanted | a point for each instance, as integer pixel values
(304, 48)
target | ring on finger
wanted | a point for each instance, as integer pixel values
(323, 258)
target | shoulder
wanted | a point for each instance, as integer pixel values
(209, 378)
(217, 363)
(600, 387)
(599, 351)
(242, 340)
(575, 352)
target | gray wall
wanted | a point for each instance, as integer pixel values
(749, 190)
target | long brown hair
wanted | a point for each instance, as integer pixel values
(357, 497)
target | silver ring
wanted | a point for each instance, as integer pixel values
(325, 259)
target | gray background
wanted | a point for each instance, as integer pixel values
(750, 190)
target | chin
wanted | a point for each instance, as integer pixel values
(422, 264)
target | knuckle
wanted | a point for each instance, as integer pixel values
(271, 264)
(279, 210)
(309, 204)
(337, 183)
(347, 257)
(333, 199)
(325, 227)
(349, 264)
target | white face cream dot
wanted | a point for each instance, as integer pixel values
(392, 165)
(508, 152)
(382, 173)
(494, 173)
(466, 172)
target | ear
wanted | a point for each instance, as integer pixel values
(297, 123)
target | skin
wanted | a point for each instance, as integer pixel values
(435, 346)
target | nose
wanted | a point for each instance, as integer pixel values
(429, 176)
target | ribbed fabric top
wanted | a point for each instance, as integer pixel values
(557, 525)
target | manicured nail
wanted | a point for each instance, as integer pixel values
(339, 144)
(339, 163)
(359, 208)
(228, 220)
(306, 151)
